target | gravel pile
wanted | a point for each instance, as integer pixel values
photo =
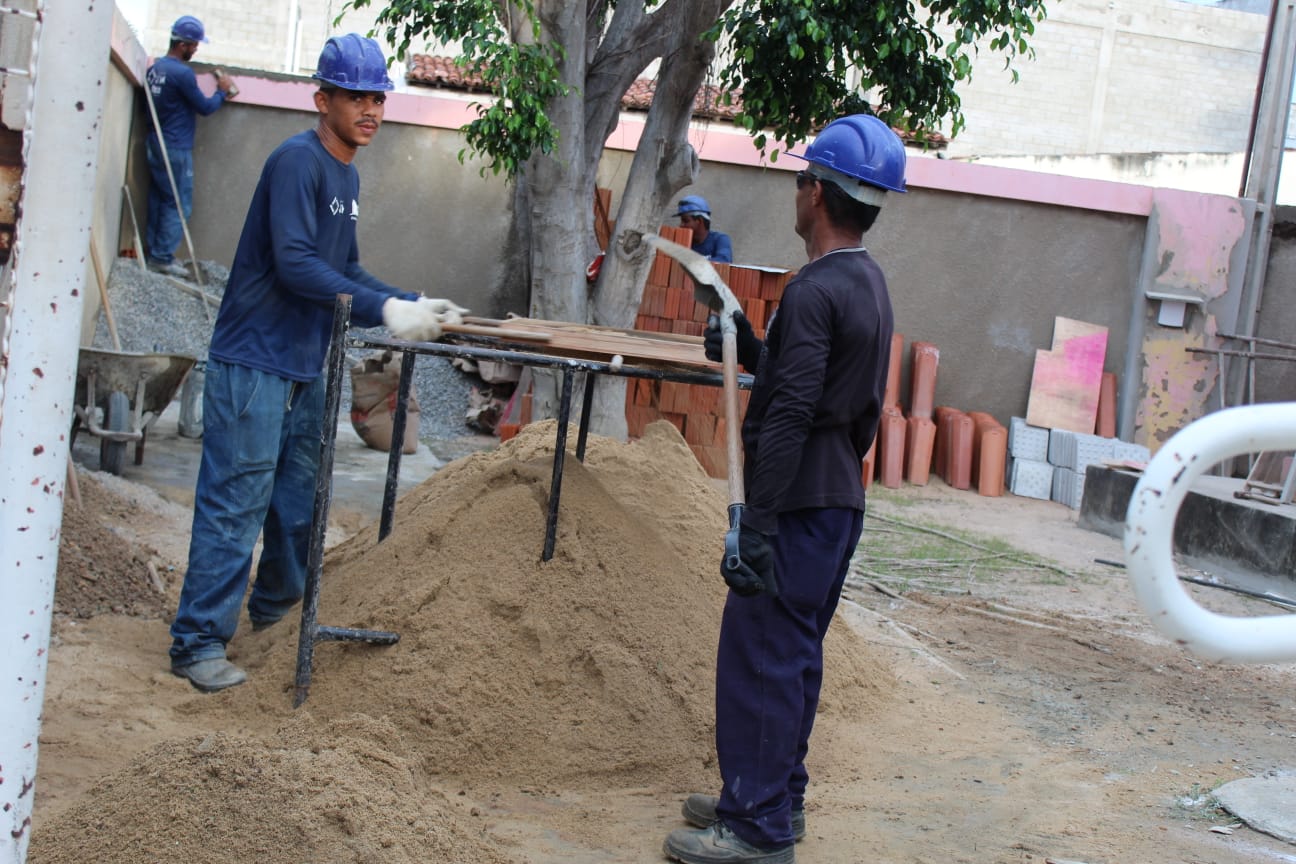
(156, 314)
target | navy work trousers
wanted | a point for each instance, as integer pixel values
(769, 669)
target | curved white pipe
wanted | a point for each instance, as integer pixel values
(1149, 532)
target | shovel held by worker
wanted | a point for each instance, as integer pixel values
(710, 289)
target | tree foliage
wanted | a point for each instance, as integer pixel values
(791, 61)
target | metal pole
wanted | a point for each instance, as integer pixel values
(397, 445)
(38, 365)
(175, 192)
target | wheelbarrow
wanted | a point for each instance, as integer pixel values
(119, 395)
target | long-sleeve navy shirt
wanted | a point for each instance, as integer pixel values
(819, 390)
(178, 101)
(296, 254)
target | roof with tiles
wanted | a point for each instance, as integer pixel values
(433, 71)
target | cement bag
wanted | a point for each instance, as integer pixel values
(374, 384)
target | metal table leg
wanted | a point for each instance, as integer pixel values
(560, 453)
(311, 631)
(583, 434)
(397, 444)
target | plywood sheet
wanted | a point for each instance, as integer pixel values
(1067, 379)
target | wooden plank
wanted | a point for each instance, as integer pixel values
(1066, 380)
(566, 339)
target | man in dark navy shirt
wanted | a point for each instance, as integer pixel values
(263, 399)
(695, 214)
(178, 101)
(820, 379)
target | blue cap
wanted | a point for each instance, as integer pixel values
(187, 28)
(693, 204)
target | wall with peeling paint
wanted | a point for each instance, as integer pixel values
(1194, 249)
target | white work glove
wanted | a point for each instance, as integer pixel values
(446, 311)
(411, 320)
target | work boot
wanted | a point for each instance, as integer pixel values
(259, 624)
(211, 675)
(718, 845)
(168, 268)
(700, 810)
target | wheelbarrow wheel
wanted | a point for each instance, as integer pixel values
(112, 454)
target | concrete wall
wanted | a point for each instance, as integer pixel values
(1276, 379)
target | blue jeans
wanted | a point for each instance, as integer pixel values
(164, 232)
(260, 455)
(769, 669)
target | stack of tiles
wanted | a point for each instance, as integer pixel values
(1030, 473)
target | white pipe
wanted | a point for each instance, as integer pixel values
(1149, 533)
(60, 154)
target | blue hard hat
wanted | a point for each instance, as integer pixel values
(187, 28)
(353, 62)
(857, 151)
(693, 204)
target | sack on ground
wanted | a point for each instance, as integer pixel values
(374, 385)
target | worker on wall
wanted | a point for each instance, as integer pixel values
(177, 100)
(263, 403)
(695, 214)
(814, 410)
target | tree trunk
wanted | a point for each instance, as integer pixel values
(663, 164)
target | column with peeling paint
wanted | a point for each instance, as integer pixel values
(39, 336)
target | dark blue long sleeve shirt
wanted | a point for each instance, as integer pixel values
(296, 254)
(178, 101)
(819, 388)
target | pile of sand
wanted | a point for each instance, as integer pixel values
(592, 670)
(99, 570)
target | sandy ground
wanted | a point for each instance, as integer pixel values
(1034, 718)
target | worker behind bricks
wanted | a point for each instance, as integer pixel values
(695, 214)
(820, 379)
(178, 101)
(263, 402)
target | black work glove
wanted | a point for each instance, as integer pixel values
(749, 347)
(754, 572)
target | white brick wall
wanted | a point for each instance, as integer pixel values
(1178, 77)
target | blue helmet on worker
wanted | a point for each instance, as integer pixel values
(861, 154)
(353, 62)
(187, 28)
(694, 204)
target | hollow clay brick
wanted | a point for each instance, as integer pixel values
(892, 398)
(1105, 425)
(920, 437)
(989, 454)
(958, 450)
(943, 414)
(891, 448)
(924, 358)
(869, 465)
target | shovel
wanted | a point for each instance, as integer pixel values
(710, 289)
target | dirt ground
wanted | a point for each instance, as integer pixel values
(559, 712)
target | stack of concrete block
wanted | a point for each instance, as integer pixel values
(1029, 471)
(1051, 463)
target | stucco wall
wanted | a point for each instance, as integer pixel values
(981, 277)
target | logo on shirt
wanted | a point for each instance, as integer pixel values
(355, 210)
(335, 207)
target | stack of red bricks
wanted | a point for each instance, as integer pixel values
(668, 306)
(965, 450)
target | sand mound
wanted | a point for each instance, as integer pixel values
(98, 569)
(346, 791)
(594, 670)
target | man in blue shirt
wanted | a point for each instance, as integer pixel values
(695, 214)
(178, 101)
(263, 399)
